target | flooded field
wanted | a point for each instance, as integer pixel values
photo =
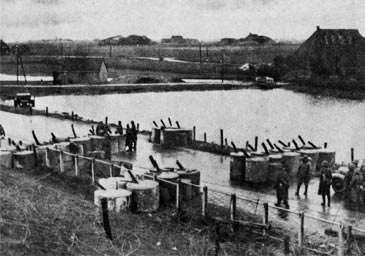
(214, 168)
(243, 114)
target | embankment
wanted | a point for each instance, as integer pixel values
(42, 90)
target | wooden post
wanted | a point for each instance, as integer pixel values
(204, 201)
(222, 138)
(266, 215)
(194, 133)
(177, 195)
(77, 165)
(226, 142)
(62, 166)
(104, 206)
(340, 249)
(35, 155)
(72, 115)
(301, 229)
(111, 167)
(287, 246)
(233, 207)
(325, 145)
(222, 65)
(352, 154)
(93, 170)
(205, 137)
(47, 157)
(217, 238)
(46, 111)
(348, 240)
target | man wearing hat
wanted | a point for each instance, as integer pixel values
(325, 182)
(356, 186)
(347, 181)
(304, 174)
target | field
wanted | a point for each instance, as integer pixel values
(43, 59)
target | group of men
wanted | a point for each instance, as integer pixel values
(354, 182)
(132, 130)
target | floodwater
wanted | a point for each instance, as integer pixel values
(5, 77)
(242, 114)
(214, 170)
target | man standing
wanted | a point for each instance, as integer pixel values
(119, 129)
(282, 187)
(134, 134)
(2, 131)
(304, 174)
(356, 186)
(325, 182)
(347, 180)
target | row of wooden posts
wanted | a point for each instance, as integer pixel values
(233, 206)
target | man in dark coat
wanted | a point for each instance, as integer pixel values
(356, 186)
(304, 174)
(128, 138)
(282, 187)
(2, 131)
(134, 134)
(119, 129)
(347, 180)
(325, 181)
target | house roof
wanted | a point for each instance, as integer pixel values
(332, 44)
(82, 64)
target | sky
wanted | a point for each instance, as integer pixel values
(22, 20)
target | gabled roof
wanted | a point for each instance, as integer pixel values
(338, 36)
(82, 64)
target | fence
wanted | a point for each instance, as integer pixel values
(299, 228)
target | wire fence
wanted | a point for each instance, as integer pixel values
(296, 229)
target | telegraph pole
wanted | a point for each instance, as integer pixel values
(200, 56)
(222, 65)
(17, 64)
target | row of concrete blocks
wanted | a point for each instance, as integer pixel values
(146, 196)
(49, 155)
(172, 137)
(261, 169)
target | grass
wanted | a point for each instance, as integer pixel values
(46, 213)
(122, 59)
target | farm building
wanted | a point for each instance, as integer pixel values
(5, 49)
(333, 51)
(82, 70)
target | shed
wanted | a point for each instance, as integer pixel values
(5, 49)
(82, 70)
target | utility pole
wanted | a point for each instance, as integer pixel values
(222, 65)
(17, 64)
(200, 56)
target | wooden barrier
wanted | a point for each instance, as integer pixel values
(204, 201)
(301, 229)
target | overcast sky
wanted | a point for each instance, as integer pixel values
(22, 20)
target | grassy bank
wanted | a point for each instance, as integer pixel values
(45, 213)
(339, 89)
